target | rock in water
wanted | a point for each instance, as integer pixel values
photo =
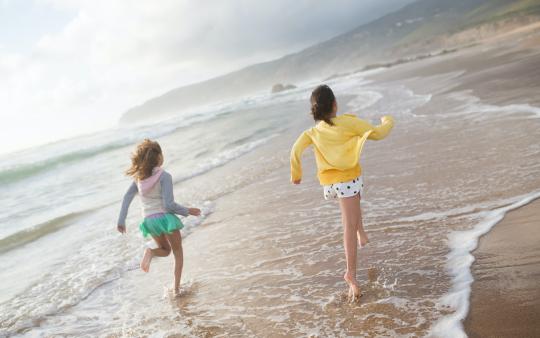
(278, 87)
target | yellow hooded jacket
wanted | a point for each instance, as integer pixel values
(337, 148)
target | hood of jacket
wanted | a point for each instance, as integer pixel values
(144, 186)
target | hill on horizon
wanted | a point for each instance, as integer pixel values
(420, 28)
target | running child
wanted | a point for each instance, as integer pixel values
(337, 142)
(155, 189)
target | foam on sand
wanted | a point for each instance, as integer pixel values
(472, 107)
(459, 262)
(365, 99)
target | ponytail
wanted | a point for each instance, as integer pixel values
(322, 104)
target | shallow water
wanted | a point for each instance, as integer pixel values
(267, 257)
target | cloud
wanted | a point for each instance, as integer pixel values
(111, 55)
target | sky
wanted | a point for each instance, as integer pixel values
(71, 66)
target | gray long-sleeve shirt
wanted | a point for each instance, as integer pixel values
(167, 198)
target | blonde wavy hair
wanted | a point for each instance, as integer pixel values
(146, 157)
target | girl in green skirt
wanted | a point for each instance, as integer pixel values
(155, 189)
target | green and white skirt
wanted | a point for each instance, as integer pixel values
(159, 224)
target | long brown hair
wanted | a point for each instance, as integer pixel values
(322, 104)
(146, 157)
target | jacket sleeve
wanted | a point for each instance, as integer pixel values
(296, 155)
(168, 198)
(128, 197)
(377, 132)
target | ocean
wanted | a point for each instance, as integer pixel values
(266, 257)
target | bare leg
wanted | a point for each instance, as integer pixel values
(362, 235)
(350, 213)
(175, 240)
(163, 250)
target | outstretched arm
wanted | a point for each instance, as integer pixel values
(296, 157)
(128, 197)
(377, 132)
(382, 130)
(168, 198)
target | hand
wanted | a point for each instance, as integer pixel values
(297, 181)
(121, 229)
(194, 211)
(387, 118)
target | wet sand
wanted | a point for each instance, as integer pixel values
(505, 298)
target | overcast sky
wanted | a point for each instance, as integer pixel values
(73, 66)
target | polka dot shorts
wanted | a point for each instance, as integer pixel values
(344, 189)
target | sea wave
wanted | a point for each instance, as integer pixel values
(245, 139)
(224, 157)
(31, 234)
(124, 138)
(20, 172)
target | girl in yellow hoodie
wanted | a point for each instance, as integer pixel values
(337, 143)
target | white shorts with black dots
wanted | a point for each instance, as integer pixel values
(344, 189)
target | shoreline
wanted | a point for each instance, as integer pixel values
(466, 247)
(505, 294)
(467, 305)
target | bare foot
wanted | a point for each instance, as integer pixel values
(354, 290)
(362, 239)
(147, 258)
(177, 293)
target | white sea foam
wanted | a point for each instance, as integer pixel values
(365, 99)
(459, 262)
(473, 107)
(453, 212)
(413, 101)
(226, 156)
